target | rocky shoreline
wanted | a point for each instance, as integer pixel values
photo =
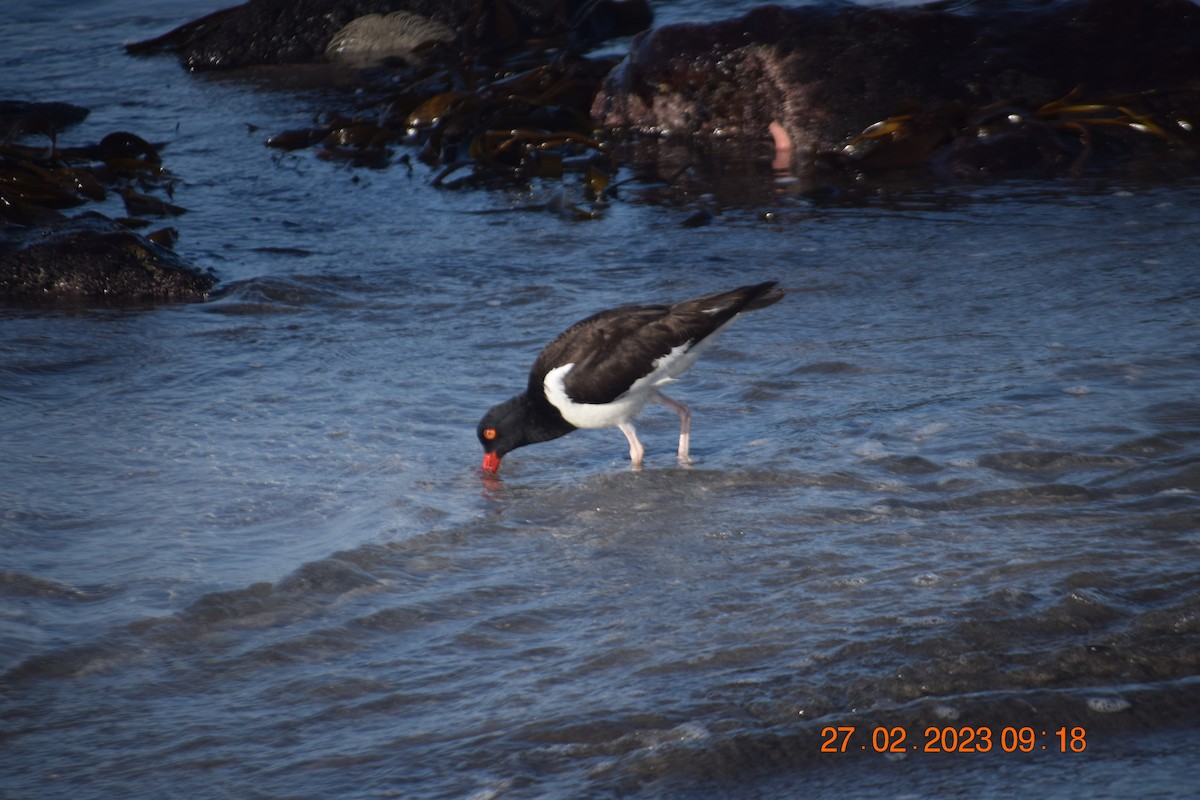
(507, 91)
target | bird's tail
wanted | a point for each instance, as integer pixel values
(765, 294)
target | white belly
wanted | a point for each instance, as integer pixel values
(628, 405)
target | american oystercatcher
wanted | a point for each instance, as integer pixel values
(601, 372)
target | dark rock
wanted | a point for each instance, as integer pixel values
(299, 31)
(92, 259)
(1021, 148)
(19, 118)
(825, 73)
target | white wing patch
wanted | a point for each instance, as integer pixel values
(592, 415)
(626, 407)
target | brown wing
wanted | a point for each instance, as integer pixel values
(610, 351)
(613, 349)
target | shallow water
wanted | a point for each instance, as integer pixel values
(950, 482)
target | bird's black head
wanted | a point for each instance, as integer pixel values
(500, 431)
(516, 423)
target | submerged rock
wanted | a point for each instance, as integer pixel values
(92, 259)
(817, 77)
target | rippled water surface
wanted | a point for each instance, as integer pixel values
(950, 482)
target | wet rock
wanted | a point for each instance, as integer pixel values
(20, 118)
(300, 31)
(92, 259)
(47, 258)
(1027, 82)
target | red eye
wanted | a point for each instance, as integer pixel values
(489, 433)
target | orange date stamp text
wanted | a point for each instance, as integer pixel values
(951, 739)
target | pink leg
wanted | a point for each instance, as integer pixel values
(685, 425)
(636, 451)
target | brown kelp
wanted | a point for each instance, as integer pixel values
(485, 92)
(1060, 134)
(48, 257)
(839, 91)
(38, 180)
(476, 122)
